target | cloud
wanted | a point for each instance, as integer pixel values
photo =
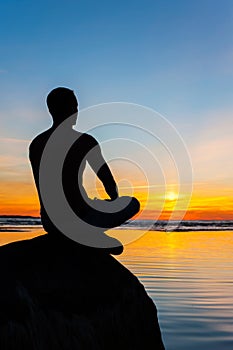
(211, 150)
(18, 121)
(14, 158)
(13, 140)
(13, 147)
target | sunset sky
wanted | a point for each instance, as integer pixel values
(174, 57)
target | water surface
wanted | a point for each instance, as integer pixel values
(189, 276)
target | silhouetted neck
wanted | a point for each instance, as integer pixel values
(65, 126)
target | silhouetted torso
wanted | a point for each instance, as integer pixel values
(84, 149)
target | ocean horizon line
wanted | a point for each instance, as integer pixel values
(155, 220)
(10, 223)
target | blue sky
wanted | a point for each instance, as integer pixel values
(173, 56)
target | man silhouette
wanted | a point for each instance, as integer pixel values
(103, 214)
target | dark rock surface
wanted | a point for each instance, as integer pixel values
(56, 294)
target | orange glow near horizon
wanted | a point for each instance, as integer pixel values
(212, 203)
(19, 199)
(210, 200)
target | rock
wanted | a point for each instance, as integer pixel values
(56, 294)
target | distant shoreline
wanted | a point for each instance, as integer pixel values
(20, 216)
(162, 220)
(19, 223)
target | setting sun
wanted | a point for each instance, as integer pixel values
(171, 196)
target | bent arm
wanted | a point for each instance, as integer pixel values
(100, 167)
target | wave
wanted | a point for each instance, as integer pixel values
(183, 226)
(19, 223)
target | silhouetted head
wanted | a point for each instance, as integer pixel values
(62, 103)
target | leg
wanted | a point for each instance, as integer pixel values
(108, 214)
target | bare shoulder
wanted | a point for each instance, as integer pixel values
(38, 143)
(39, 138)
(90, 139)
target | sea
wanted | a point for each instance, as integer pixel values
(186, 268)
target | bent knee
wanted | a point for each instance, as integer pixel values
(135, 204)
(131, 203)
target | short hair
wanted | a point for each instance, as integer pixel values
(61, 103)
